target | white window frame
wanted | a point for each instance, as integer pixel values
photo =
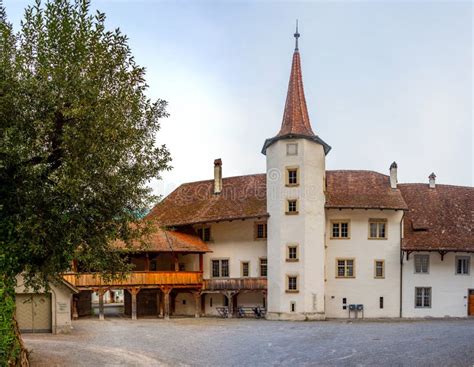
(423, 297)
(220, 260)
(418, 256)
(468, 261)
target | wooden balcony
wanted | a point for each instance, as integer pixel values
(149, 279)
(235, 284)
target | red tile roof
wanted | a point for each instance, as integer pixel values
(361, 189)
(295, 117)
(195, 202)
(440, 219)
(166, 240)
(245, 197)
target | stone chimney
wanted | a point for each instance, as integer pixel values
(393, 175)
(217, 176)
(432, 179)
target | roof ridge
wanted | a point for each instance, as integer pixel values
(427, 184)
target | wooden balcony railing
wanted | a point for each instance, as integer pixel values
(137, 278)
(237, 284)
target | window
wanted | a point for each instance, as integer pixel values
(293, 306)
(204, 233)
(292, 176)
(292, 149)
(344, 303)
(260, 230)
(377, 229)
(291, 283)
(292, 253)
(422, 264)
(345, 268)
(379, 269)
(245, 269)
(263, 267)
(422, 297)
(381, 302)
(292, 207)
(462, 265)
(340, 229)
(220, 268)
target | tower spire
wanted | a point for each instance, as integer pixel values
(295, 116)
(297, 35)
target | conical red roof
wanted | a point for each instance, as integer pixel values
(295, 117)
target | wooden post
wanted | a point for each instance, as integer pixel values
(158, 304)
(101, 304)
(147, 262)
(176, 263)
(201, 262)
(134, 292)
(162, 306)
(75, 314)
(230, 306)
(203, 304)
(166, 293)
(197, 303)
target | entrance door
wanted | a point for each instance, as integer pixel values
(33, 313)
(471, 303)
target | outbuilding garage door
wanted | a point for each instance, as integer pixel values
(33, 313)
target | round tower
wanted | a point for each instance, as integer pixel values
(295, 203)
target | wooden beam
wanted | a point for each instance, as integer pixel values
(201, 262)
(197, 303)
(101, 303)
(166, 293)
(134, 291)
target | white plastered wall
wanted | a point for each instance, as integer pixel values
(61, 297)
(364, 289)
(449, 290)
(235, 241)
(306, 230)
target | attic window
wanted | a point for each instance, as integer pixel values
(204, 233)
(419, 226)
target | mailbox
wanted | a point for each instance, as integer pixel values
(360, 307)
(352, 307)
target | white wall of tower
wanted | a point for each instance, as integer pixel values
(305, 229)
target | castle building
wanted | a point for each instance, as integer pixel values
(301, 242)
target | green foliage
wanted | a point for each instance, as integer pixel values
(9, 343)
(78, 141)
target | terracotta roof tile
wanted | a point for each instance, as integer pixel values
(361, 189)
(295, 116)
(167, 240)
(438, 219)
(245, 197)
(195, 202)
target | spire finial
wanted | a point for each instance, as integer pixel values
(297, 35)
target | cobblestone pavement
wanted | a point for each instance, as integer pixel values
(218, 342)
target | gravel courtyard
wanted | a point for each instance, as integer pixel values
(217, 342)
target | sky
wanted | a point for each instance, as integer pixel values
(384, 81)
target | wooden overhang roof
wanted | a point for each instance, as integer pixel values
(162, 239)
(244, 197)
(439, 219)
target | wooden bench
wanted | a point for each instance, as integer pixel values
(257, 312)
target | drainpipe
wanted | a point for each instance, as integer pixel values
(401, 264)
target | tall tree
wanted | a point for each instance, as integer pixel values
(77, 148)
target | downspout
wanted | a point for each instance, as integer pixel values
(401, 263)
